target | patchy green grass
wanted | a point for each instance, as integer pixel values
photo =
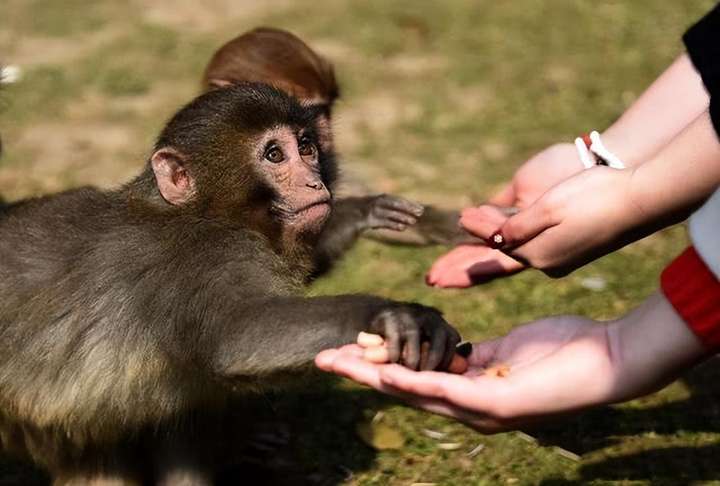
(442, 101)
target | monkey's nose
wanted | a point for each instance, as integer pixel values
(317, 185)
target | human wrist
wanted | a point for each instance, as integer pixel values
(650, 347)
(644, 205)
(622, 144)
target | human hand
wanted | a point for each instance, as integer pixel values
(538, 174)
(556, 365)
(472, 264)
(468, 265)
(577, 221)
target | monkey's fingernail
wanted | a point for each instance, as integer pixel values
(464, 349)
(496, 241)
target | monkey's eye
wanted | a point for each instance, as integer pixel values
(274, 154)
(306, 147)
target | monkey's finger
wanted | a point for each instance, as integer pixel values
(450, 349)
(393, 338)
(424, 354)
(385, 216)
(436, 353)
(411, 349)
(400, 204)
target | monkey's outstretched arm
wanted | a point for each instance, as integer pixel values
(352, 216)
(436, 226)
(282, 334)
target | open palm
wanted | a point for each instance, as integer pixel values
(556, 365)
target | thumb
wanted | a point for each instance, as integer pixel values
(526, 225)
(483, 221)
(505, 197)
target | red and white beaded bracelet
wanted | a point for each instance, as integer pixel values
(592, 152)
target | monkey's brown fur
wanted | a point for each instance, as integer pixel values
(128, 317)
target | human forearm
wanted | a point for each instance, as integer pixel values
(680, 177)
(650, 347)
(671, 102)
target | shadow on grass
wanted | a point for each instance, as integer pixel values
(671, 466)
(606, 427)
(322, 448)
(319, 445)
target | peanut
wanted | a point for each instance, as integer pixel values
(458, 365)
(376, 354)
(367, 340)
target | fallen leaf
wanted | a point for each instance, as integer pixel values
(379, 435)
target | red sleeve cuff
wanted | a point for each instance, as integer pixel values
(694, 292)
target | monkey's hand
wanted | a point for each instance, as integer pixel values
(406, 327)
(391, 212)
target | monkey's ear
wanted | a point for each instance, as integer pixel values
(173, 180)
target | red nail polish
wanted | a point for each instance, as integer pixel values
(496, 240)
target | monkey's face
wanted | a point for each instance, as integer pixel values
(287, 160)
(251, 154)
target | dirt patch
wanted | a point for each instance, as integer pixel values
(53, 50)
(62, 155)
(163, 97)
(415, 65)
(375, 115)
(205, 16)
(336, 51)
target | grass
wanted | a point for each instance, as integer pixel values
(441, 102)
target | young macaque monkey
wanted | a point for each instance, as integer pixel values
(132, 319)
(283, 60)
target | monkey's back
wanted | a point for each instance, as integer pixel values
(90, 306)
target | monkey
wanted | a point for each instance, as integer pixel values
(280, 58)
(127, 314)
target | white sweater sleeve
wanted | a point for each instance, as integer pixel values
(705, 233)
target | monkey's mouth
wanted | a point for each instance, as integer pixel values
(311, 213)
(320, 205)
(314, 212)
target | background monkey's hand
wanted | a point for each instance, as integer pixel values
(391, 212)
(406, 327)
